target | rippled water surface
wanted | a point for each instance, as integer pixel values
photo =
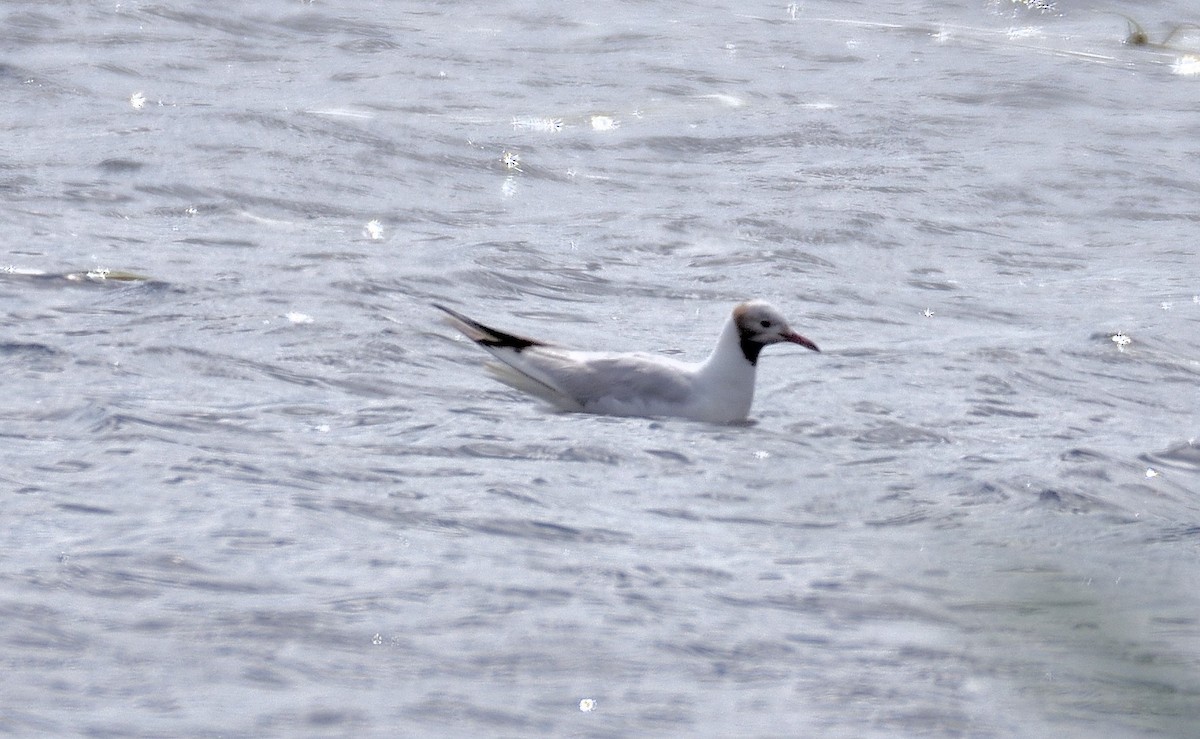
(253, 487)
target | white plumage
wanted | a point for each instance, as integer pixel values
(720, 389)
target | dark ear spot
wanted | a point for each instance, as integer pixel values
(765, 324)
(750, 350)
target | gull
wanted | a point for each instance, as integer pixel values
(718, 390)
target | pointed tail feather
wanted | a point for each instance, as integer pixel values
(527, 383)
(513, 368)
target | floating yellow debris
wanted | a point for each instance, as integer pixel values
(105, 275)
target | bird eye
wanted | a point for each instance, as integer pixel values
(766, 324)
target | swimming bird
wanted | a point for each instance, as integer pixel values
(719, 390)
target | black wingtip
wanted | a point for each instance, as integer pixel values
(486, 335)
(444, 309)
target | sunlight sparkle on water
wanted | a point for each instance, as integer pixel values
(1187, 65)
(541, 124)
(604, 123)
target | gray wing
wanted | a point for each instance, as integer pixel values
(575, 380)
(617, 378)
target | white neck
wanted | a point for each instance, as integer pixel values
(728, 369)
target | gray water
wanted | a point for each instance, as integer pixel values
(264, 492)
